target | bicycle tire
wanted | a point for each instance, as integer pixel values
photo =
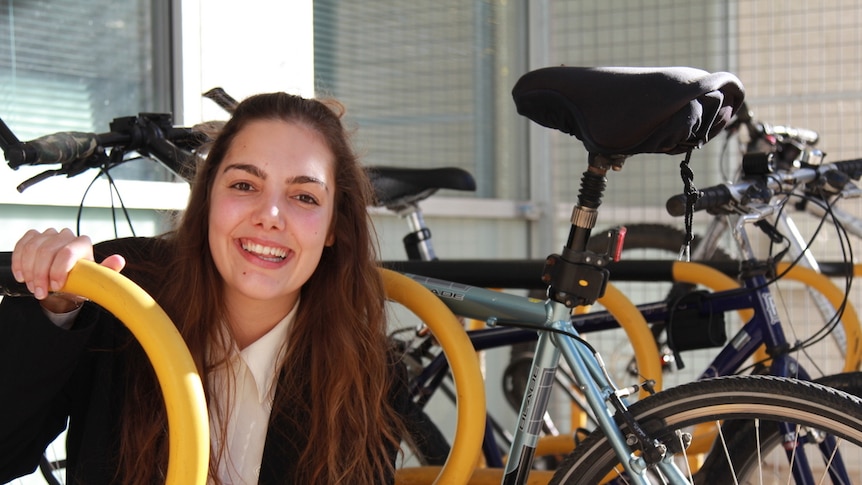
(722, 399)
(741, 437)
(654, 236)
(428, 444)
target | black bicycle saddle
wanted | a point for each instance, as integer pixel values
(630, 110)
(396, 187)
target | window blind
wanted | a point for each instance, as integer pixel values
(426, 83)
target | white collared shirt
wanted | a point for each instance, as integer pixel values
(254, 377)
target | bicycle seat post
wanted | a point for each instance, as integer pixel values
(417, 242)
(578, 276)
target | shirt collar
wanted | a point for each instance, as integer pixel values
(264, 355)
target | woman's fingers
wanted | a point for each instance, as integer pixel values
(65, 257)
(43, 260)
(114, 262)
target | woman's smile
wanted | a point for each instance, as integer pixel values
(264, 252)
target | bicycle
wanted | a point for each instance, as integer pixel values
(400, 191)
(779, 149)
(544, 97)
(474, 302)
(723, 299)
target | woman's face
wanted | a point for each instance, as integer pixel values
(271, 207)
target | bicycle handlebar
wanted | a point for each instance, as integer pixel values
(708, 198)
(804, 135)
(853, 168)
(759, 130)
(147, 133)
(718, 198)
(61, 148)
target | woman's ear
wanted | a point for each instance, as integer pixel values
(330, 240)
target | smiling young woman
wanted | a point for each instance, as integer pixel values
(271, 278)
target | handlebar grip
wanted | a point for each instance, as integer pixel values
(710, 198)
(58, 148)
(8, 285)
(853, 168)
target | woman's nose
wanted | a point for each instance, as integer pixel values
(269, 215)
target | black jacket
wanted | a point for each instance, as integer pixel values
(48, 374)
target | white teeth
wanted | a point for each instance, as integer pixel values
(264, 251)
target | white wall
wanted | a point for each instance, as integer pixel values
(253, 47)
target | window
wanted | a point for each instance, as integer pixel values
(74, 65)
(428, 84)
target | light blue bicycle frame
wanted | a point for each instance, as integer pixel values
(552, 322)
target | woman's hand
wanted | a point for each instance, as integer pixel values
(42, 260)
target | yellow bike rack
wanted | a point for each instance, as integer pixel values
(469, 384)
(849, 319)
(188, 424)
(639, 334)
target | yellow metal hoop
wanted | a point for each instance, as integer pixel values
(469, 385)
(188, 424)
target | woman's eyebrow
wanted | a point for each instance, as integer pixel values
(246, 167)
(307, 179)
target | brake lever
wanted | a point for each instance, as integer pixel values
(77, 167)
(38, 178)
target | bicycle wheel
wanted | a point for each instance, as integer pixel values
(740, 404)
(655, 236)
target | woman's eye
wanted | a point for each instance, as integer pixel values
(244, 186)
(308, 199)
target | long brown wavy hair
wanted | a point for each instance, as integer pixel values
(337, 372)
